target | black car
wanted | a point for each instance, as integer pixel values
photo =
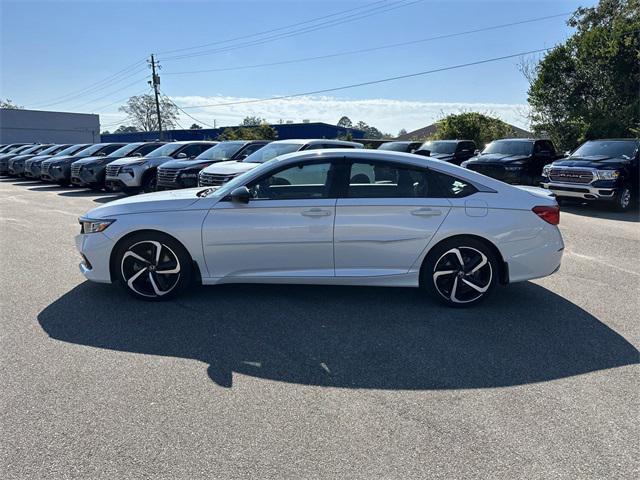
(514, 160)
(451, 151)
(184, 173)
(58, 169)
(91, 171)
(5, 157)
(598, 170)
(12, 146)
(17, 163)
(402, 146)
(32, 165)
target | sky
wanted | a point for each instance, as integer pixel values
(89, 56)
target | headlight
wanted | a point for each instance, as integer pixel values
(546, 170)
(89, 225)
(514, 168)
(608, 174)
(464, 164)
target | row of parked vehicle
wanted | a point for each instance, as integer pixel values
(604, 169)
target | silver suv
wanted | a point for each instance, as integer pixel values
(135, 174)
(221, 172)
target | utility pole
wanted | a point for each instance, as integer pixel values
(155, 83)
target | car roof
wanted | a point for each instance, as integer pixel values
(315, 141)
(451, 140)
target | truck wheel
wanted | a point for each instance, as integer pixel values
(623, 199)
(149, 183)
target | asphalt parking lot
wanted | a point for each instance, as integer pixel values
(255, 381)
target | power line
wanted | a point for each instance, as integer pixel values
(93, 86)
(120, 100)
(372, 49)
(272, 30)
(347, 19)
(188, 115)
(136, 82)
(373, 82)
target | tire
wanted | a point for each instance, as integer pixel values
(443, 272)
(624, 199)
(149, 182)
(149, 274)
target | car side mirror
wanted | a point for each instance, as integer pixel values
(567, 153)
(240, 195)
(476, 152)
(181, 155)
(138, 154)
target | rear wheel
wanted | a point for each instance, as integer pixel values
(460, 272)
(153, 266)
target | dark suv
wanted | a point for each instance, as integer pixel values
(451, 151)
(32, 166)
(403, 146)
(184, 173)
(58, 169)
(514, 160)
(605, 170)
(91, 171)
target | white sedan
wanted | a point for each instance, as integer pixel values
(340, 217)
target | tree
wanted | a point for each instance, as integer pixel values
(142, 112)
(402, 132)
(252, 121)
(125, 129)
(589, 86)
(195, 126)
(260, 132)
(8, 104)
(345, 122)
(370, 132)
(471, 126)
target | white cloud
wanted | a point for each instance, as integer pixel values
(386, 114)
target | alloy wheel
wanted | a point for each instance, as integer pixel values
(625, 198)
(462, 274)
(150, 268)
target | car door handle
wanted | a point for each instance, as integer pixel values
(426, 212)
(316, 212)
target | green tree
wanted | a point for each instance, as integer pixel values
(195, 126)
(402, 132)
(471, 126)
(589, 86)
(125, 129)
(345, 122)
(142, 112)
(369, 131)
(252, 121)
(260, 132)
(8, 104)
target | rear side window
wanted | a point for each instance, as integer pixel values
(110, 148)
(147, 148)
(452, 187)
(388, 180)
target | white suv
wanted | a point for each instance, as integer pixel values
(133, 174)
(221, 172)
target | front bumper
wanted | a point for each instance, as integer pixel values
(95, 249)
(584, 192)
(56, 173)
(16, 168)
(32, 170)
(180, 182)
(500, 172)
(123, 180)
(4, 167)
(86, 176)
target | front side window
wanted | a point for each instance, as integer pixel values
(300, 182)
(388, 180)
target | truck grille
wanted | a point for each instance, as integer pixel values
(113, 170)
(167, 176)
(493, 171)
(571, 175)
(213, 179)
(75, 170)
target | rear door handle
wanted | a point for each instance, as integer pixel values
(426, 212)
(316, 212)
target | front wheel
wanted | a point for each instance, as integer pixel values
(460, 272)
(623, 199)
(149, 183)
(153, 266)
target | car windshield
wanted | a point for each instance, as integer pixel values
(607, 148)
(72, 150)
(165, 150)
(222, 151)
(32, 149)
(439, 147)
(509, 147)
(124, 151)
(394, 146)
(92, 150)
(49, 150)
(272, 150)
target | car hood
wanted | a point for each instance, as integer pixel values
(39, 158)
(169, 200)
(26, 156)
(99, 160)
(441, 156)
(63, 159)
(181, 164)
(600, 161)
(230, 168)
(498, 158)
(130, 160)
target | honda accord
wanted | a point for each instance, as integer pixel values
(344, 217)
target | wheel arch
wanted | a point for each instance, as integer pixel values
(113, 267)
(503, 276)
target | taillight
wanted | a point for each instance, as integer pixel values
(550, 214)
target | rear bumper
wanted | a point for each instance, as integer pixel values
(584, 192)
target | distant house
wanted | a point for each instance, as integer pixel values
(425, 132)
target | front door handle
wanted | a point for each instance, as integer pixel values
(316, 212)
(426, 212)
